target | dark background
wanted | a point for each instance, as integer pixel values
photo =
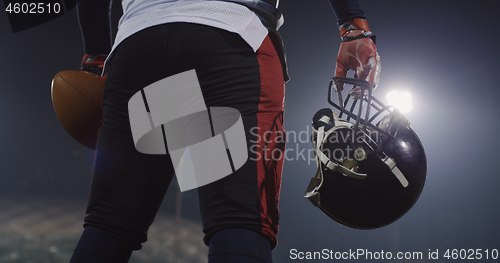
(444, 52)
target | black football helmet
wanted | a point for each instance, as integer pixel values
(369, 175)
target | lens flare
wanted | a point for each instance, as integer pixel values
(400, 100)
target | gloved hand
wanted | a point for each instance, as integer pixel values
(358, 52)
(93, 64)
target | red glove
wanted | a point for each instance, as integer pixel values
(93, 64)
(358, 52)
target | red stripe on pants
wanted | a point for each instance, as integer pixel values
(271, 137)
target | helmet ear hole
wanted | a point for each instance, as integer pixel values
(383, 124)
(391, 122)
(323, 117)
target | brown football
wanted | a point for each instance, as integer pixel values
(77, 98)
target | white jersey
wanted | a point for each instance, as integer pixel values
(227, 15)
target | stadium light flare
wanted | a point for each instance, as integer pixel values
(400, 100)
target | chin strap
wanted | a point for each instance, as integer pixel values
(322, 158)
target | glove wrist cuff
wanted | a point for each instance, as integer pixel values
(355, 24)
(93, 63)
(94, 60)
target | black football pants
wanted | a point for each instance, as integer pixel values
(128, 186)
